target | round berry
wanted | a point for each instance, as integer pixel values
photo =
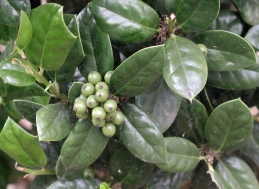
(101, 85)
(87, 89)
(110, 105)
(110, 116)
(107, 76)
(82, 116)
(94, 77)
(91, 102)
(98, 113)
(88, 173)
(98, 123)
(119, 118)
(80, 106)
(81, 97)
(109, 129)
(203, 49)
(101, 95)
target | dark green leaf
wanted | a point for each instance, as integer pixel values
(5, 172)
(27, 109)
(185, 70)
(219, 180)
(125, 21)
(83, 146)
(129, 170)
(66, 72)
(249, 10)
(51, 40)
(43, 181)
(10, 11)
(21, 146)
(79, 183)
(141, 136)
(170, 5)
(183, 155)
(196, 15)
(236, 173)
(54, 122)
(52, 151)
(96, 44)
(229, 126)
(226, 51)
(156, 5)
(74, 92)
(160, 103)
(3, 117)
(138, 72)
(2, 87)
(252, 36)
(7, 33)
(8, 50)
(229, 21)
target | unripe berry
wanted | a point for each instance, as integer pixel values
(107, 76)
(94, 77)
(81, 97)
(110, 105)
(80, 106)
(98, 113)
(91, 102)
(101, 85)
(101, 95)
(109, 129)
(87, 89)
(118, 119)
(110, 116)
(98, 123)
(82, 116)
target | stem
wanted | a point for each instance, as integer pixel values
(35, 172)
(205, 100)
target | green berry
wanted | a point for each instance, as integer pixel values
(107, 76)
(101, 85)
(118, 119)
(80, 106)
(203, 49)
(98, 123)
(87, 89)
(82, 116)
(94, 77)
(110, 116)
(88, 173)
(91, 102)
(109, 129)
(81, 97)
(110, 105)
(101, 95)
(98, 113)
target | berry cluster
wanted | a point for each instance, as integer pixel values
(96, 102)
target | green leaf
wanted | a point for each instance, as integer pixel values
(247, 78)
(42, 181)
(160, 103)
(229, 21)
(24, 32)
(52, 151)
(138, 72)
(79, 183)
(51, 40)
(219, 180)
(183, 155)
(5, 172)
(54, 122)
(236, 173)
(252, 36)
(2, 87)
(229, 126)
(74, 92)
(125, 21)
(141, 136)
(235, 54)
(170, 6)
(196, 15)
(66, 72)
(15, 74)
(185, 70)
(21, 146)
(8, 50)
(96, 44)
(3, 117)
(83, 146)
(7, 33)
(126, 169)
(10, 11)
(104, 185)
(249, 10)
(27, 109)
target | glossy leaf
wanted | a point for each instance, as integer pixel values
(27, 109)
(141, 136)
(42, 181)
(183, 155)
(219, 180)
(196, 15)
(52, 151)
(160, 103)
(24, 32)
(7, 34)
(74, 92)
(235, 54)
(21, 146)
(229, 126)
(249, 10)
(2, 87)
(138, 72)
(129, 170)
(10, 11)
(185, 70)
(170, 6)
(83, 146)
(79, 183)
(236, 173)
(66, 72)
(96, 45)
(54, 122)
(51, 40)
(125, 21)
(8, 50)
(229, 21)
(252, 36)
